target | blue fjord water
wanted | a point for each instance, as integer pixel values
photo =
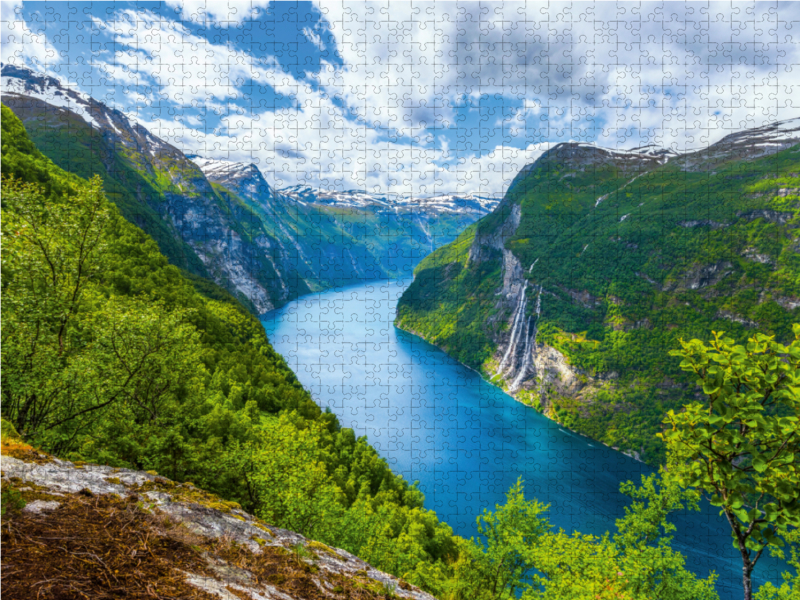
(438, 422)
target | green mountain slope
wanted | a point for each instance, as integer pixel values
(596, 262)
(155, 187)
(225, 223)
(111, 356)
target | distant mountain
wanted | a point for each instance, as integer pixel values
(223, 221)
(572, 292)
(441, 204)
(335, 238)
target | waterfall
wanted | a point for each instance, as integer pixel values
(533, 265)
(529, 345)
(519, 315)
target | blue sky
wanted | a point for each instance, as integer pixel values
(418, 98)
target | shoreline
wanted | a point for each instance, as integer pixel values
(635, 455)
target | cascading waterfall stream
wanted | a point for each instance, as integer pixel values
(530, 342)
(515, 329)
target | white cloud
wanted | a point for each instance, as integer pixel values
(314, 38)
(618, 74)
(225, 13)
(188, 68)
(628, 74)
(21, 44)
(562, 75)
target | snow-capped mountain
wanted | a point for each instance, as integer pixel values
(345, 198)
(21, 81)
(766, 139)
(31, 89)
(247, 179)
(377, 236)
(456, 203)
(475, 204)
(649, 151)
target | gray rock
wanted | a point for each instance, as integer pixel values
(176, 501)
(39, 506)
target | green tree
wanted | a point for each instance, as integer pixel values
(496, 567)
(741, 446)
(637, 563)
(790, 588)
(74, 359)
(51, 250)
(292, 485)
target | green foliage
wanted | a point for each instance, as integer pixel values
(638, 563)
(790, 588)
(8, 431)
(497, 566)
(742, 445)
(11, 500)
(82, 151)
(520, 556)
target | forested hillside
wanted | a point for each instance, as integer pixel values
(110, 355)
(597, 262)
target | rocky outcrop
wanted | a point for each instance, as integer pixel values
(95, 531)
(770, 216)
(702, 223)
(702, 276)
(488, 245)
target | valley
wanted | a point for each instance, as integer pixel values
(222, 221)
(328, 419)
(464, 440)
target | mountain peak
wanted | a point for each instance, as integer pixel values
(23, 81)
(211, 165)
(771, 137)
(24, 84)
(587, 149)
(243, 178)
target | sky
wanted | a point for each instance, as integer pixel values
(418, 98)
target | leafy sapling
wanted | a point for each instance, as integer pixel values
(741, 445)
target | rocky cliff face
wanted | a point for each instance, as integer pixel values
(572, 292)
(98, 532)
(207, 232)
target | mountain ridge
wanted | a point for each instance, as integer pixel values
(257, 243)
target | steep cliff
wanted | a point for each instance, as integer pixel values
(572, 292)
(208, 233)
